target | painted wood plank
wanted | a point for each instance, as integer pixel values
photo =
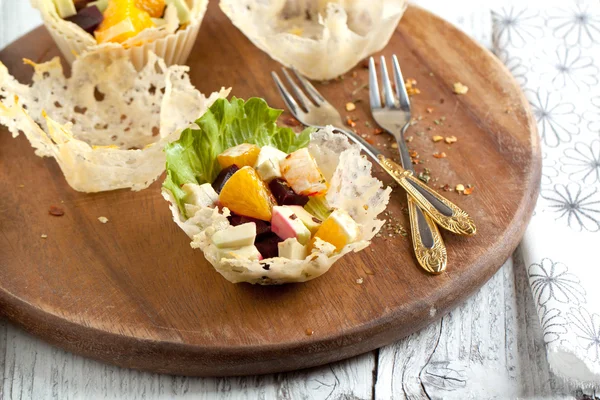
(32, 369)
(491, 347)
(16, 18)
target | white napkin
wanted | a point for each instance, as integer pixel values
(554, 54)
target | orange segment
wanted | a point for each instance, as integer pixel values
(339, 229)
(155, 8)
(241, 155)
(246, 194)
(122, 20)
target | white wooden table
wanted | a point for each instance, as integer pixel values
(491, 347)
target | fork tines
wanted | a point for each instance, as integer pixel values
(390, 101)
(290, 100)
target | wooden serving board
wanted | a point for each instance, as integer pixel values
(132, 292)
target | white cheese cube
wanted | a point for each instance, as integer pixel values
(200, 195)
(269, 170)
(310, 221)
(269, 153)
(267, 163)
(246, 253)
(292, 249)
(235, 236)
(286, 224)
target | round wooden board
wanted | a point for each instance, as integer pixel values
(132, 292)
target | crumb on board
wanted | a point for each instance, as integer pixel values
(21, 186)
(460, 187)
(468, 190)
(56, 211)
(437, 138)
(103, 219)
(440, 155)
(360, 281)
(309, 332)
(459, 88)
(350, 106)
(451, 139)
(43, 236)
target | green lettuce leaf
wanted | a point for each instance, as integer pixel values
(193, 158)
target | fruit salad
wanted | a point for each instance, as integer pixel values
(117, 21)
(267, 205)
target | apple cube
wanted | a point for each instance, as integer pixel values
(65, 8)
(310, 221)
(286, 224)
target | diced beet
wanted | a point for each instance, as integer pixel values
(88, 19)
(267, 245)
(262, 227)
(223, 177)
(284, 194)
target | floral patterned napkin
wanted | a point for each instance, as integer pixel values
(554, 54)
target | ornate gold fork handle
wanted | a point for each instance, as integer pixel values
(430, 251)
(459, 222)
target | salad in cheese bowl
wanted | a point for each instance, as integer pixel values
(264, 204)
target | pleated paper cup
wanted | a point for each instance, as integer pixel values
(73, 41)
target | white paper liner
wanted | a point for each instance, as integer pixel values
(73, 41)
(352, 188)
(339, 35)
(107, 124)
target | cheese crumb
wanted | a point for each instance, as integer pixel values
(44, 236)
(103, 219)
(350, 106)
(360, 281)
(459, 88)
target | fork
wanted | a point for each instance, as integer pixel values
(318, 112)
(395, 118)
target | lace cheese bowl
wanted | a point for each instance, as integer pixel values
(282, 208)
(107, 124)
(171, 39)
(320, 39)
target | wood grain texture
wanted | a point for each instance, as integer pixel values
(40, 382)
(133, 293)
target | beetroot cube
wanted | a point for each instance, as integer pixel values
(88, 19)
(284, 194)
(223, 177)
(267, 245)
